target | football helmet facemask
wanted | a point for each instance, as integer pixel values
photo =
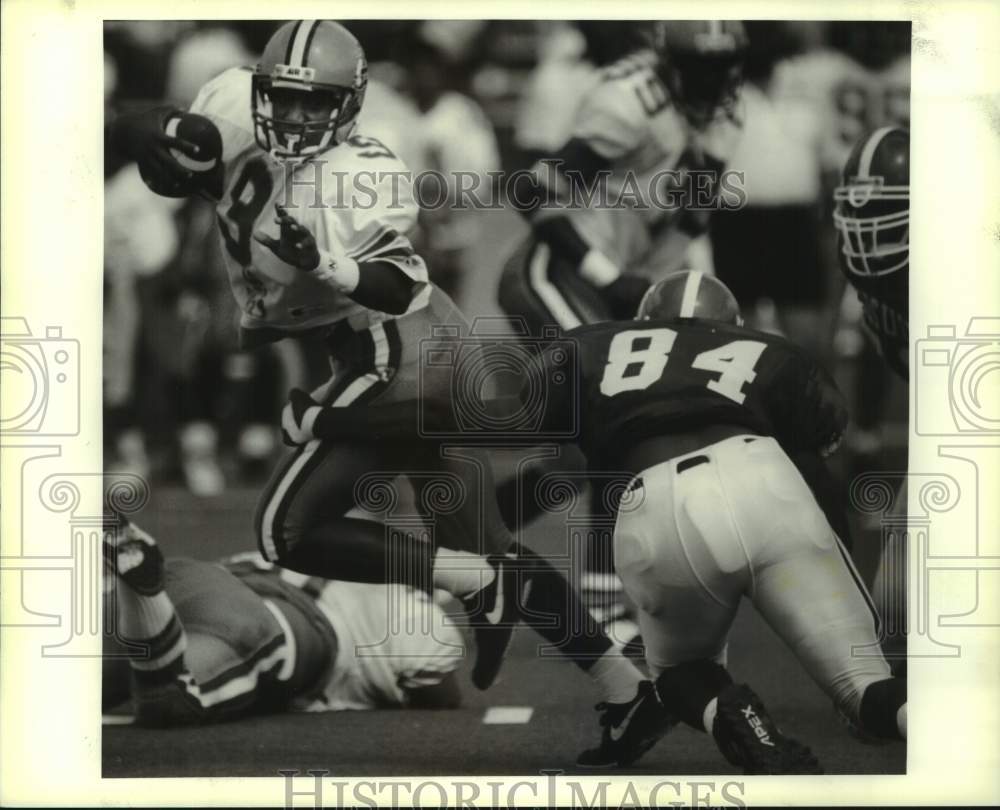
(701, 63)
(690, 294)
(319, 58)
(872, 212)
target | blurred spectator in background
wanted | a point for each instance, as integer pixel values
(199, 56)
(554, 90)
(140, 238)
(569, 55)
(456, 137)
(769, 251)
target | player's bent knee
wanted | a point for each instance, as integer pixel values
(685, 690)
(879, 710)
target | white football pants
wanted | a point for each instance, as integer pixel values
(736, 518)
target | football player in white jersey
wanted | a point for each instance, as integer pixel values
(313, 217)
(652, 136)
(654, 118)
(242, 636)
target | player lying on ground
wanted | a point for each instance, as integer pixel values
(313, 217)
(221, 640)
(703, 413)
(655, 121)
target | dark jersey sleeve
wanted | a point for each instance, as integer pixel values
(884, 303)
(806, 407)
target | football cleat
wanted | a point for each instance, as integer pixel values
(493, 613)
(133, 556)
(629, 730)
(750, 739)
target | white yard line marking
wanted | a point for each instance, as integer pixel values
(117, 720)
(507, 715)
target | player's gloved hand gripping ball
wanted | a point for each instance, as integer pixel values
(178, 153)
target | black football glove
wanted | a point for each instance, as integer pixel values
(295, 246)
(829, 412)
(623, 296)
(141, 137)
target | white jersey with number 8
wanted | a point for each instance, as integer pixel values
(355, 198)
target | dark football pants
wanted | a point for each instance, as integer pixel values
(543, 290)
(320, 482)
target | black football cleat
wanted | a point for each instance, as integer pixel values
(750, 739)
(493, 613)
(133, 556)
(629, 730)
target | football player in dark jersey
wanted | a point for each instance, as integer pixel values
(872, 217)
(703, 415)
(706, 414)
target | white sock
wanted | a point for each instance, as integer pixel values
(616, 676)
(142, 617)
(901, 720)
(150, 621)
(460, 572)
(708, 718)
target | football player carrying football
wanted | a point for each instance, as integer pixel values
(223, 640)
(659, 121)
(313, 217)
(872, 216)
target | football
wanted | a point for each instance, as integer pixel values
(206, 168)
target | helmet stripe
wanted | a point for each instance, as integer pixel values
(291, 42)
(690, 298)
(312, 33)
(868, 152)
(303, 35)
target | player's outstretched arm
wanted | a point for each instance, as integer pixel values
(374, 284)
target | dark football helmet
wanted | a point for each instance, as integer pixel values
(318, 57)
(701, 63)
(690, 294)
(872, 211)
